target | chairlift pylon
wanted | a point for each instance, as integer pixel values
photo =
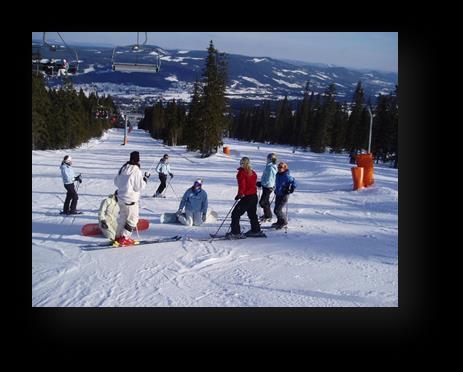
(136, 58)
(51, 59)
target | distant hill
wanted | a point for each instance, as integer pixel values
(250, 78)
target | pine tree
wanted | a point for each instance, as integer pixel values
(355, 118)
(213, 119)
(40, 107)
(325, 120)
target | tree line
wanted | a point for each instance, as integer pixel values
(320, 122)
(64, 118)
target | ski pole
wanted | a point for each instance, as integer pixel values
(173, 189)
(236, 201)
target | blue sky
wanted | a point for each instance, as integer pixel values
(370, 50)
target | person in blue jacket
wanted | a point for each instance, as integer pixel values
(163, 169)
(68, 179)
(195, 202)
(267, 182)
(285, 184)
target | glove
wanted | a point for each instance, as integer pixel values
(78, 178)
(178, 213)
(104, 225)
(238, 197)
(290, 189)
(147, 175)
(204, 217)
(259, 184)
(171, 175)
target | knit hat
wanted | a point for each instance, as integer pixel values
(67, 159)
(272, 157)
(198, 182)
(282, 165)
(134, 157)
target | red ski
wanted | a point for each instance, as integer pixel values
(92, 229)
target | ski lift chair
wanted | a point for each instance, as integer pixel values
(50, 64)
(139, 59)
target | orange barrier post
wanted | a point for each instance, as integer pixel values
(226, 150)
(366, 161)
(357, 177)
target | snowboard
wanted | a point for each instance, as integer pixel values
(93, 229)
(172, 218)
(109, 244)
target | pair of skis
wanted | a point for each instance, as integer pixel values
(213, 237)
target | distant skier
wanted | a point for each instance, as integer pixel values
(107, 216)
(285, 184)
(129, 182)
(247, 196)
(163, 169)
(352, 156)
(195, 202)
(63, 70)
(267, 182)
(68, 179)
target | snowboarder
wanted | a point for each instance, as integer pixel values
(163, 169)
(68, 179)
(247, 196)
(129, 182)
(107, 216)
(195, 202)
(285, 184)
(267, 182)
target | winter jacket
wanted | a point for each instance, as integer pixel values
(268, 177)
(129, 183)
(109, 211)
(163, 168)
(246, 182)
(194, 200)
(282, 183)
(67, 173)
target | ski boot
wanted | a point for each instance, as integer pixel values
(231, 236)
(254, 234)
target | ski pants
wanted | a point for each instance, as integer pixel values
(265, 201)
(71, 198)
(280, 202)
(190, 218)
(127, 220)
(246, 204)
(162, 186)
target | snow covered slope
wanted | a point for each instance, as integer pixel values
(341, 248)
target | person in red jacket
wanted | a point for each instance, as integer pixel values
(247, 196)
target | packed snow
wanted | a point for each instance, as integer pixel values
(340, 250)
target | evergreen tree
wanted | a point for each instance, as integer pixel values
(325, 121)
(40, 107)
(355, 118)
(213, 119)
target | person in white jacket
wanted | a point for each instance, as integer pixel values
(107, 216)
(163, 169)
(129, 183)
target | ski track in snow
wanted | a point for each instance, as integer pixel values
(341, 247)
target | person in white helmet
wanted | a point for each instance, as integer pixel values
(63, 70)
(195, 202)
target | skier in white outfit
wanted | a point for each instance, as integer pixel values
(129, 182)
